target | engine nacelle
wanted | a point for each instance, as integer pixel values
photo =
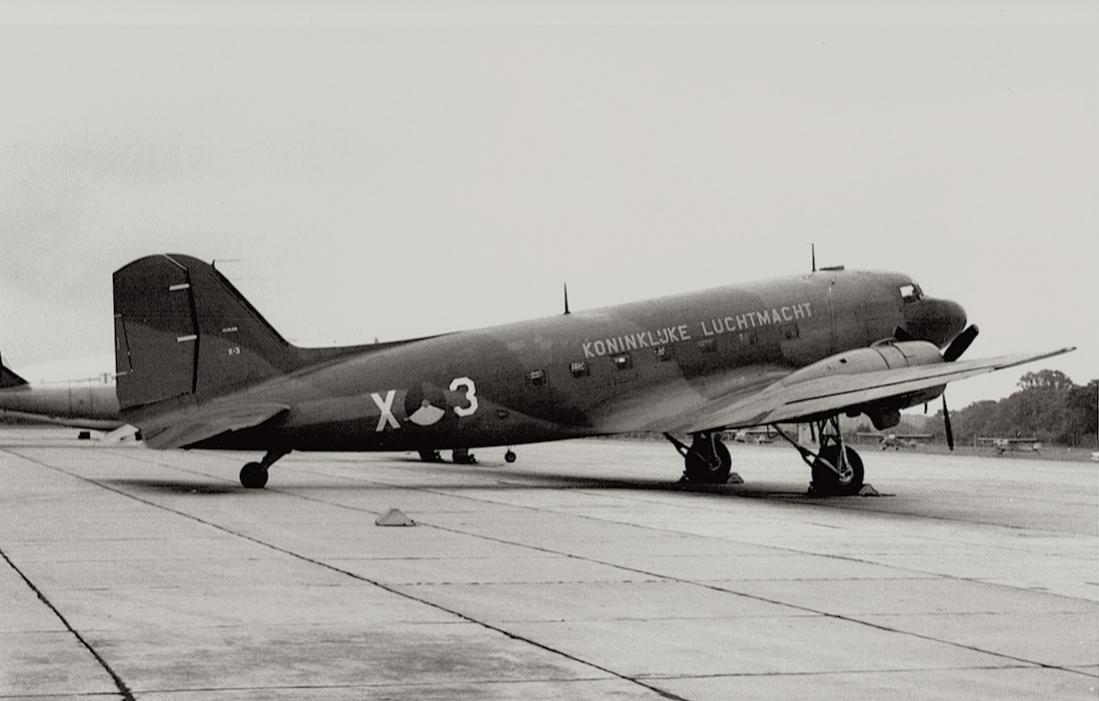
(887, 356)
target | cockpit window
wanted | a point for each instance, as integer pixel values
(911, 293)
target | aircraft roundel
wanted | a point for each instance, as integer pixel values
(425, 405)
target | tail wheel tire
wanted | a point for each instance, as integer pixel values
(253, 476)
(826, 481)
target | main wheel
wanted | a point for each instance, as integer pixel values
(702, 467)
(253, 476)
(509, 456)
(462, 456)
(826, 481)
(430, 456)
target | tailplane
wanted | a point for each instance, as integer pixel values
(181, 328)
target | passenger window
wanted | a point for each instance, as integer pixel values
(579, 368)
(536, 377)
(790, 331)
(623, 361)
(707, 346)
(661, 353)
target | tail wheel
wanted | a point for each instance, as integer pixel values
(253, 475)
(825, 479)
(706, 466)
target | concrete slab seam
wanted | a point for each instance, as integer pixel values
(514, 636)
(123, 688)
(1031, 663)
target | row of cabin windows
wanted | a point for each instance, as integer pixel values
(624, 361)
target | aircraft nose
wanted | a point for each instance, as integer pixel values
(935, 320)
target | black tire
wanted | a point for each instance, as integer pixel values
(700, 469)
(430, 456)
(253, 476)
(509, 457)
(825, 481)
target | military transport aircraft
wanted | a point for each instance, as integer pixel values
(89, 403)
(199, 367)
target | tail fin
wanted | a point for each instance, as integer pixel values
(182, 329)
(9, 379)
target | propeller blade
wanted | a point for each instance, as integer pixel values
(901, 334)
(946, 425)
(960, 343)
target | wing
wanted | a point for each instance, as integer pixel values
(186, 426)
(790, 402)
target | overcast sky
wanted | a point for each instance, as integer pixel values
(385, 170)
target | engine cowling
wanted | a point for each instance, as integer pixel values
(886, 356)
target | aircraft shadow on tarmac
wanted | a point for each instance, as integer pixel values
(502, 480)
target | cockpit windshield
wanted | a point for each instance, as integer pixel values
(911, 293)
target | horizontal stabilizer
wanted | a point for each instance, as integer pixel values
(187, 426)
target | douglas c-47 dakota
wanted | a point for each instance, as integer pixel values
(199, 367)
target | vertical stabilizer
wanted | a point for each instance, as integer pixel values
(182, 329)
(8, 378)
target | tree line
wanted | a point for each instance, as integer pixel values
(1048, 406)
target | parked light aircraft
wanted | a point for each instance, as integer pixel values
(1029, 444)
(87, 403)
(896, 441)
(199, 367)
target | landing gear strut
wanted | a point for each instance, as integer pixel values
(706, 460)
(837, 468)
(254, 474)
(431, 456)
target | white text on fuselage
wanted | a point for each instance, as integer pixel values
(731, 323)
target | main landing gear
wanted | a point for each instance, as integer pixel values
(706, 460)
(837, 468)
(254, 474)
(460, 456)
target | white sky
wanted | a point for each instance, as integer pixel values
(404, 168)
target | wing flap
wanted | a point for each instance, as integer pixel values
(836, 393)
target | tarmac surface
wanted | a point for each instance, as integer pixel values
(582, 571)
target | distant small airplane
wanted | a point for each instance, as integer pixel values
(896, 441)
(89, 403)
(198, 367)
(762, 435)
(1030, 444)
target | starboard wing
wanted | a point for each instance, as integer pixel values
(791, 402)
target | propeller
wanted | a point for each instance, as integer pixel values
(954, 351)
(901, 334)
(946, 425)
(960, 343)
